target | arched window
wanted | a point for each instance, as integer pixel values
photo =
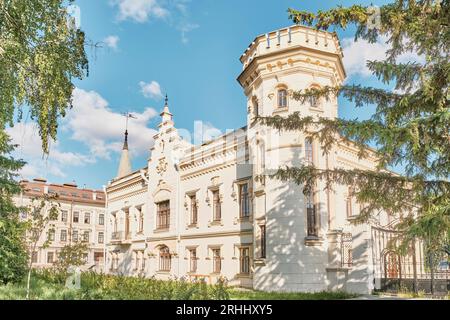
(164, 259)
(282, 98)
(309, 151)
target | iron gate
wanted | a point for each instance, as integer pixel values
(394, 272)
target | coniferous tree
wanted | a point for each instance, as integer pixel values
(410, 127)
(41, 51)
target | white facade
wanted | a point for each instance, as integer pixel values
(152, 229)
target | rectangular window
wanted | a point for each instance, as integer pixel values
(217, 210)
(311, 216)
(101, 219)
(309, 153)
(75, 235)
(193, 260)
(217, 261)
(34, 257)
(51, 235)
(263, 240)
(50, 257)
(163, 215)
(63, 236)
(64, 216)
(86, 236)
(76, 217)
(244, 260)
(141, 219)
(244, 203)
(194, 211)
(101, 237)
(87, 218)
(282, 98)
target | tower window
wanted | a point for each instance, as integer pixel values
(311, 216)
(282, 98)
(309, 153)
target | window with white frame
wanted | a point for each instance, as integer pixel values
(87, 217)
(101, 219)
(282, 98)
(63, 236)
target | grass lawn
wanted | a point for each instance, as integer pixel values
(237, 294)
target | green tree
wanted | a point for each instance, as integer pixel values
(410, 127)
(41, 52)
(13, 257)
(40, 227)
(71, 255)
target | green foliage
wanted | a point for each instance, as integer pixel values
(49, 284)
(13, 257)
(40, 54)
(71, 255)
(410, 126)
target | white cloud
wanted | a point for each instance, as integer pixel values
(26, 136)
(103, 138)
(356, 55)
(140, 10)
(185, 28)
(151, 90)
(175, 13)
(112, 42)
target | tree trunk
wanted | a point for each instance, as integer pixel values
(28, 281)
(432, 274)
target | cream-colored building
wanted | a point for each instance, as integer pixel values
(200, 211)
(81, 218)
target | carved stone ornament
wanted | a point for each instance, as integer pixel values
(162, 166)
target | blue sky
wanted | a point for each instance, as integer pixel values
(187, 49)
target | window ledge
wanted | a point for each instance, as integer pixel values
(280, 110)
(215, 223)
(192, 226)
(337, 269)
(162, 272)
(313, 241)
(260, 261)
(160, 230)
(316, 109)
(244, 275)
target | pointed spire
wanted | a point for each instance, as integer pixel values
(125, 142)
(125, 163)
(166, 116)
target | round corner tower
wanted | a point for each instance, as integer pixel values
(290, 229)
